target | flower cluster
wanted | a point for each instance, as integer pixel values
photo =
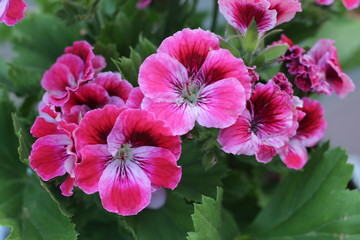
(124, 142)
(86, 132)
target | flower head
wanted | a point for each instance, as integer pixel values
(138, 157)
(191, 80)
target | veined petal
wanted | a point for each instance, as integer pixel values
(239, 14)
(221, 64)
(135, 98)
(190, 47)
(180, 116)
(286, 10)
(294, 155)
(95, 127)
(221, 103)
(94, 161)
(49, 154)
(237, 139)
(159, 165)
(162, 77)
(264, 153)
(124, 188)
(140, 128)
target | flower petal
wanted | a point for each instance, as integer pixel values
(135, 98)
(221, 103)
(49, 154)
(286, 10)
(67, 186)
(162, 77)
(190, 47)
(351, 4)
(12, 11)
(75, 65)
(125, 190)
(159, 164)
(179, 116)
(237, 139)
(295, 155)
(98, 63)
(88, 172)
(221, 64)
(239, 14)
(95, 127)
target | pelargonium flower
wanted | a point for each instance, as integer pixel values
(265, 125)
(191, 80)
(135, 98)
(324, 55)
(12, 11)
(266, 13)
(139, 156)
(73, 68)
(143, 4)
(311, 129)
(53, 152)
(349, 4)
(106, 88)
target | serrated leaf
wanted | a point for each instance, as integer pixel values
(24, 205)
(190, 186)
(129, 67)
(172, 221)
(312, 204)
(211, 221)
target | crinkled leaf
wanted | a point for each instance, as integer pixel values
(172, 221)
(24, 205)
(211, 221)
(191, 187)
(313, 204)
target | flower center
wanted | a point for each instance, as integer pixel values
(190, 93)
(124, 153)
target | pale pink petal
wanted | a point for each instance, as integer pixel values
(95, 127)
(264, 153)
(190, 47)
(49, 154)
(162, 77)
(98, 63)
(88, 172)
(221, 103)
(140, 128)
(351, 4)
(312, 126)
(221, 64)
(84, 50)
(158, 199)
(135, 98)
(159, 165)
(114, 85)
(124, 188)
(179, 115)
(67, 186)
(237, 139)
(295, 155)
(239, 14)
(286, 10)
(12, 11)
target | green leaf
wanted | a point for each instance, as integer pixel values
(24, 137)
(271, 53)
(251, 37)
(129, 67)
(23, 80)
(312, 204)
(24, 205)
(211, 221)
(109, 52)
(172, 221)
(191, 187)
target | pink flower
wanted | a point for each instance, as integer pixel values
(107, 88)
(135, 98)
(264, 127)
(311, 129)
(73, 68)
(266, 13)
(53, 153)
(139, 157)
(143, 4)
(12, 11)
(332, 78)
(191, 80)
(349, 4)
